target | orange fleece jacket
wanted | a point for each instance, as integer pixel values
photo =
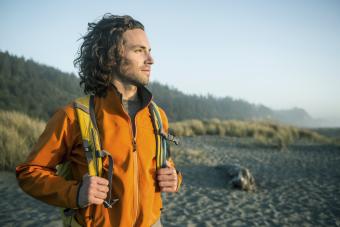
(134, 177)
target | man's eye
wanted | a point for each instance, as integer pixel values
(138, 50)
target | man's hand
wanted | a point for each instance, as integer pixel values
(92, 191)
(167, 179)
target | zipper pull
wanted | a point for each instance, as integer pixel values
(134, 144)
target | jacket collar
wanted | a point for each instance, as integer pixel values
(115, 98)
(143, 93)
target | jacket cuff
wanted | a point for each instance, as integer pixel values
(73, 196)
(77, 197)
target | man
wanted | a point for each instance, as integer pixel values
(114, 64)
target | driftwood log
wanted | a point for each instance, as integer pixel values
(239, 177)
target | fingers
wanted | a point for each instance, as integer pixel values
(96, 196)
(167, 183)
(95, 179)
(167, 179)
(166, 174)
(168, 189)
(93, 190)
(101, 181)
(166, 171)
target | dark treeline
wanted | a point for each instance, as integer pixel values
(34, 89)
(38, 90)
(180, 106)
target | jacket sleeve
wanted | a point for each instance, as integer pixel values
(166, 128)
(37, 176)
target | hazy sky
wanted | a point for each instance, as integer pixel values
(282, 54)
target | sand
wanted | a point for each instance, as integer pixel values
(296, 187)
(19, 209)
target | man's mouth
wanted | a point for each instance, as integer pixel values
(148, 70)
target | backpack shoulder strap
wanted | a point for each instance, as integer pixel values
(161, 144)
(94, 153)
(84, 108)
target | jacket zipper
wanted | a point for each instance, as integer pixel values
(136, 188)
(135, 166)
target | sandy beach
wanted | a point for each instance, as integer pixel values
(295, 187)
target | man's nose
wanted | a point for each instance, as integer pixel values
(149, 59)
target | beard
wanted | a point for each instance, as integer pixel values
(129, 74)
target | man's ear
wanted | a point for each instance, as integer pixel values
(112, 63)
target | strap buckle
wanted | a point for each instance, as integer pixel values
(110, 203)
(169, 137)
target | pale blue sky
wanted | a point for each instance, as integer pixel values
(282, 54)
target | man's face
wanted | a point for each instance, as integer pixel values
(135, 67)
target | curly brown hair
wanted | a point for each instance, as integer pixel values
(101, 52)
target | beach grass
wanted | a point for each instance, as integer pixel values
(264, 132)
(18, 133)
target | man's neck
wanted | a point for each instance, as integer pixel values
(128, 91)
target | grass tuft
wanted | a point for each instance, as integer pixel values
(18, 133)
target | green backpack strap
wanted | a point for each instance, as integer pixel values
(162, 138)
(94, 153)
